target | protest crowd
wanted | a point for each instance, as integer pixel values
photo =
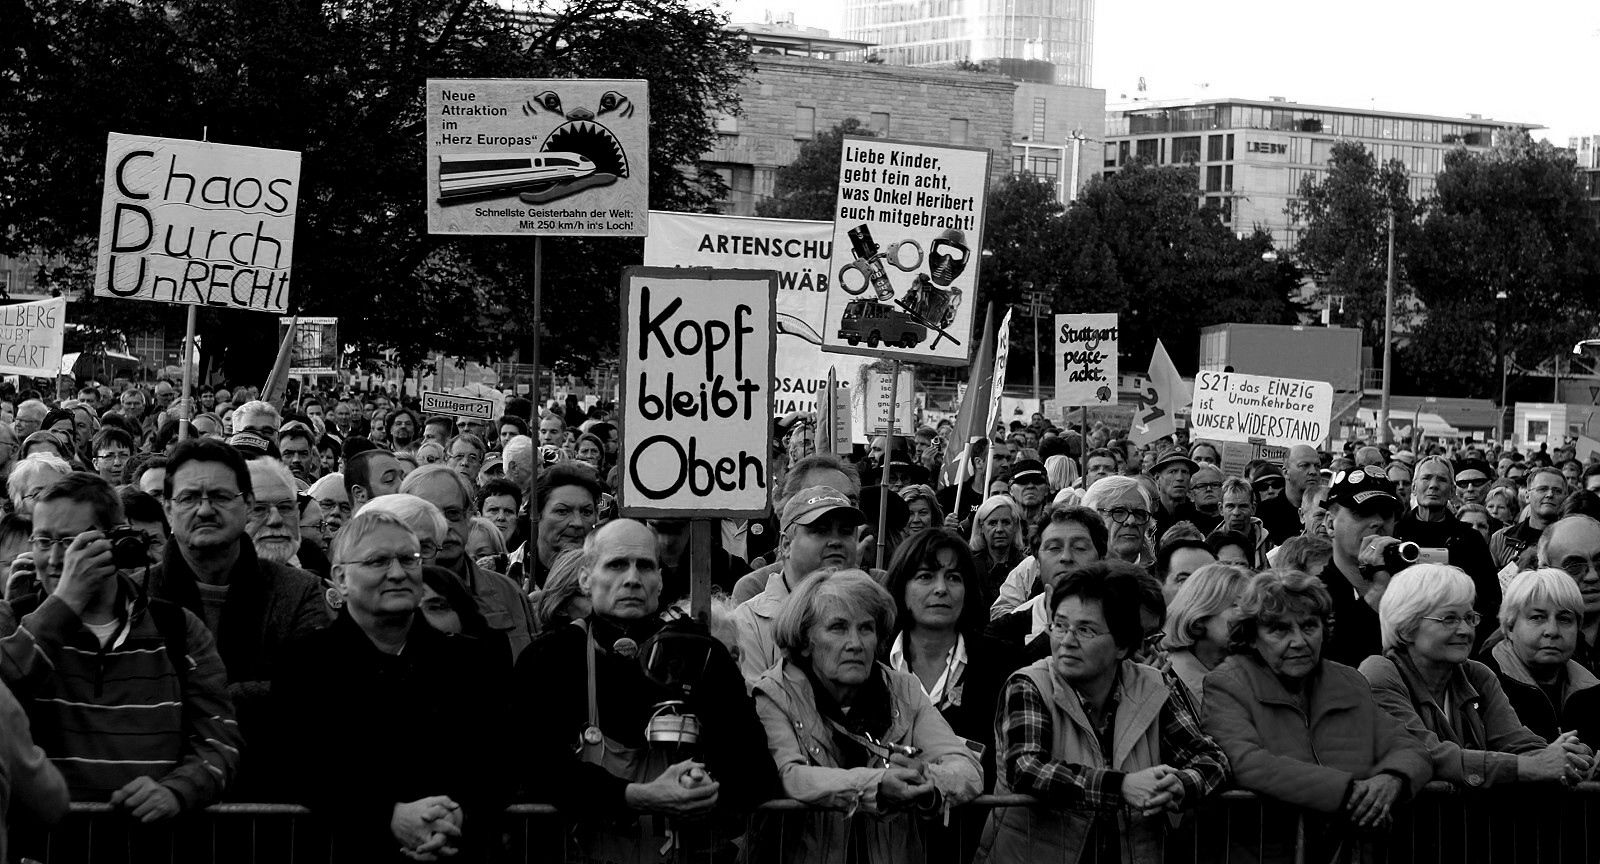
(408, 623)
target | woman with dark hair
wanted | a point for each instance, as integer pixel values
(939, 640)
(591, 451)
(567, 504)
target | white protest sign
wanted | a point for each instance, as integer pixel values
(1228, 406)
(559, 156)
(1086, 360)
(907, 232)
(1002, 353)
(31, 336)
(798, 251)
(197, 223)
(877, 398)
(696, 391)
(449, 405)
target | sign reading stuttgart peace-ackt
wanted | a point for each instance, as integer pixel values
(197, 223)
(696, 395)
(907, 230)
(560, 156)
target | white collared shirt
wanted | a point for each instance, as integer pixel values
(955, 663)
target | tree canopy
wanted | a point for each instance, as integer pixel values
(808, 187)
(343, 84)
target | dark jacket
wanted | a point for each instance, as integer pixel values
(1578, 708)
(1353, 634)
(550, 687)
(391, 729)
(268, 606)
(989, 663)
(1475, 741)
(1466, 550)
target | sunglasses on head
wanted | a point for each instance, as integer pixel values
(1269, 483)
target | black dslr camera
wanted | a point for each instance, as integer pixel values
(130, 548)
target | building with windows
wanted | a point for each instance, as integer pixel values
(1253, 155)
(797, 90)
(1044, 41)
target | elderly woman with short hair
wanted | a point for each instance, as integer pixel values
(923, 505)
(850, 734)
(1300, 730)
(1539, 617)
(1104, 743)
(1453, 705)
(1198, 619)
(997, 544)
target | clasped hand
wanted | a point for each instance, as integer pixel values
(427, 828)
(1153, 790)
(1371, 799)
(905, 779)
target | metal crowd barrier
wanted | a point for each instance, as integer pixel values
(1541, 825)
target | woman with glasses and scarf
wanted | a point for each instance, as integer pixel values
(1456, 706)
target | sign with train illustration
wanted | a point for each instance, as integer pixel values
(562, 156)
(907, 231)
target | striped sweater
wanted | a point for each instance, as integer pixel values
(106, 716)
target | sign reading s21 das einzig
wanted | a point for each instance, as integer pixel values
(1228, 406)
(698, 348)
(907, 230)
(197, 223)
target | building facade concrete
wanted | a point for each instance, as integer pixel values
(1254, 154)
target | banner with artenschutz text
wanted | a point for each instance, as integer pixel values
(797, 250)
(907, 233)
(696, 394)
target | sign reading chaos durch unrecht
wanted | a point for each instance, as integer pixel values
(197, 223)
(1228, 406)
(696, 395)
(798, 251)
(907, 230)
(560, 156)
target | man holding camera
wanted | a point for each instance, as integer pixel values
(91, 641)
(1365, 554)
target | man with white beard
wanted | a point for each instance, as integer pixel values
(274, 521)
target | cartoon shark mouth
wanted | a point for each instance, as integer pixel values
(592, 140)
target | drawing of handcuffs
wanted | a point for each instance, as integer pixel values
(869, 263)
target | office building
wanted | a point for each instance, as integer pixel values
(1044, 41)
(1253, 154)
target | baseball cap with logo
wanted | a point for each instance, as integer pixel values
(251, 444)
(812, 503)
(1367, 488)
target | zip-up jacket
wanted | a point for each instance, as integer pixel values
(109, 715)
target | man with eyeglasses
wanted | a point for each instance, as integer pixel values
(1472, 480)
(330, 495)
(419, 722)
(1276, 507)
(1546, 490)
(1125, 509)
(1446, 540)
(465, 454)
(254, 606)
(1573, 545)
(504, 606)
(112, 449)
(91, 641)
(1205, 493)
(274, 521)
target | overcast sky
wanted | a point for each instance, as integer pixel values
(1533, 61)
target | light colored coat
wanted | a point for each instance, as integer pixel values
(802, 746)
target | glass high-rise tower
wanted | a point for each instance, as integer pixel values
(1046, 41)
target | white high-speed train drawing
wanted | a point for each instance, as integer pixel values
(483, 173)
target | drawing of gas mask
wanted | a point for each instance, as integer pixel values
(869, 263)
(947, 256)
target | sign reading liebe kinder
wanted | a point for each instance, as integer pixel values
(1228, 406)
(907, 230)
(1086, 361)
(197, 223)
(697, 353)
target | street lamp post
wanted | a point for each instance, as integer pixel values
(1502, 361)
(1388, 338)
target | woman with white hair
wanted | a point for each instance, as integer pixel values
(850, 736)
(1198, 620)
(997, 544)
(1552, 693)
(1124, 505)
(28, 480)
(1455, 706)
